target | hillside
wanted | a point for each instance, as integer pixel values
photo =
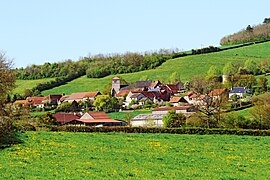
(186, 66)
(21, 85)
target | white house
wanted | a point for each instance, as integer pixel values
(240, 91)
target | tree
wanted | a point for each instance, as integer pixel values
(102, 103)
(266, 20)
(213, 72)
(249, 28)
(211, 109)
(7, 83)
(261, 110)
(263, 82)
(7, 77)
(174, 77)
(229, 69)
(173, 119)
(251, 67)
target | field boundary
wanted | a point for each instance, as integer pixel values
(200, 131)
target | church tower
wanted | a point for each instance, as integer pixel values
(115, 85)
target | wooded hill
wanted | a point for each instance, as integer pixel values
(254, 33)
(185, 68)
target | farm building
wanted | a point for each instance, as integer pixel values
(148, 120)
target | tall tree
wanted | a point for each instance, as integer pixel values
(7, 77)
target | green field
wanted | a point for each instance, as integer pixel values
(61, 155)
(21, 85)
(185, 66)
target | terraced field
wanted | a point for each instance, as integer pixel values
(62, 155)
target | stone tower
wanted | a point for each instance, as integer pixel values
(226, 78)
(115, 85)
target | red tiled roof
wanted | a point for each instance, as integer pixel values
(36, 100)
(23, 102)
(218, 92)
(175, 99)
(154, 84)
(122, 93)
(172, 88)
(66, 117)
(171, 108)
(82, 95)
(99, 115)
(99, 120)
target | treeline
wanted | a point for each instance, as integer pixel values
(255, 33)
(126, 63)
(51, 70)
(97, 66)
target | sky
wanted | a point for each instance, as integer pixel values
(39, 31)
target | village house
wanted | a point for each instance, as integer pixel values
(186, 110)
(239, 91)
(80, 96)
(194, 98)
(178, 101)
(87, 119)
(219, 93)
(38, 102)
(53, 99)
(133, 97)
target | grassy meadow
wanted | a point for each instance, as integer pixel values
(186, 67)
(62, 155)
(21, 85)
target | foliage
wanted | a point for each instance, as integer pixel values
(106, 103)
(229, 68)
(251, 67)
(213, 72)
(173, 119)
(7, 77)
(261, 110)
(8, 128)
(65, 107)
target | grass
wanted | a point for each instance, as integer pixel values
(62, 155)
(21, 85)
(122, 115)
(186, 66)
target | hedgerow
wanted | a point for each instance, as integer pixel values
(201, 131)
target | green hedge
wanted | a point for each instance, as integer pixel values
(201, 131)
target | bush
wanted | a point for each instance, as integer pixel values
(8, 131)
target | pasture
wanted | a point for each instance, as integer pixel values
(186, 67)
(62, 155)
(21, 85)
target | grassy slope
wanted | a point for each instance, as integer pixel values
(59, 155)
(21, 85)
(185, 66)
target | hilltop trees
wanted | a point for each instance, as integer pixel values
(259, 32)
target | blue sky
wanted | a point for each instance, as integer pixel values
(34, 32)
